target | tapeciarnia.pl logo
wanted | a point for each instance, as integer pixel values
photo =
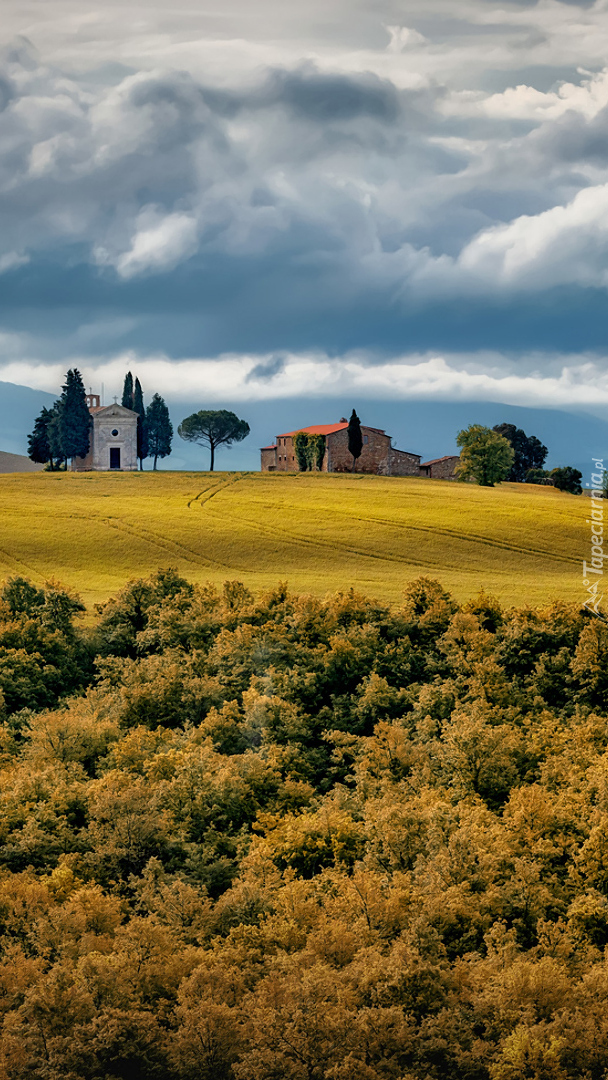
(593, 571)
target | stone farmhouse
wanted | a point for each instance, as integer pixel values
(113, 439)
(378, 454)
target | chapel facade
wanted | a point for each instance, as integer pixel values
(112, 440)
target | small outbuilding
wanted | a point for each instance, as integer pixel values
(113, 439)
(443, 468)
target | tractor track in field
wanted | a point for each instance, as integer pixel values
(170, 547)
(212, 490)
(324, 545)
(294, 538)
(452, 534)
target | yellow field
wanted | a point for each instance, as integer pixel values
(318, 532)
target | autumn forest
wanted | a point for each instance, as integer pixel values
(272, 837)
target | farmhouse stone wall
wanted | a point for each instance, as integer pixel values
(286, 455)
(401, 463)
(374, 454)
(269, 458)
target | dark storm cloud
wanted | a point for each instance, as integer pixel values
(267, 370)
(323, 97)
(199, 188)
(314, 95)
(574, 138)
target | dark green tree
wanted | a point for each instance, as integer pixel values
(127, 392)
(159, 429)
(38, 443)
(73, 419)
(537, 452)
(142, 435)
(538, 476)
(486, 456)
(355, 438)
(55, 445)
(529, 451)
(317, 451)
(300, 446)
(21, 597)
(567, 479)
(213, 428)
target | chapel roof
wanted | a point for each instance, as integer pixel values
(112, 410)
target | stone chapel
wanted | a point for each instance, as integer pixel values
(113, 439)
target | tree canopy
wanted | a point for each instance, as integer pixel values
(249, 837)
(73, 417)
(485, 456)
(159, 429)
(355, 438)
(529, 451)
(127, 391)
(213, 428)
(64, 431)
(39, 442)
(142, 434)
(567, 478)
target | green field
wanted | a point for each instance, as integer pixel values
(318, 532)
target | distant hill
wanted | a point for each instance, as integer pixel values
(11, 463)
(19, 407)
(428, 428)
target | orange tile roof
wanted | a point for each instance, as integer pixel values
(316, 429)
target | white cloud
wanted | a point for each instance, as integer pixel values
(536, 379)
(11, 260)
(435, 192)
(524, 102)
(563, 245)
(403, 37)
(158, 243)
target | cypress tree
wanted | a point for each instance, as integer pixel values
(58, 457)
(38, 446)
(138, 407)
(74, 419)
(355, 438)
(159, 429)
(127, 392)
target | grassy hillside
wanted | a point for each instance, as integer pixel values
(95, 531)
(11, 463)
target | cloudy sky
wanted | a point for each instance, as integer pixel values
(351, 200)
